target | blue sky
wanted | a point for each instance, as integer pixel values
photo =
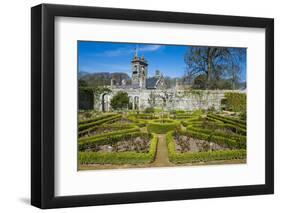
(116, 57)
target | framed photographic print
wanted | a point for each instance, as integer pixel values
(139, 106)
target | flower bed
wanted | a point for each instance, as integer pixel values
(188, 144)
(135, 144)
(107, 138)
(98, 117)
(191, 157)
(121, 157)
(105, 128)
(235, 122)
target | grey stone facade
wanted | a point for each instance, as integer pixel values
(147, 92)
(170, 99)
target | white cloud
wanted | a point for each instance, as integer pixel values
(149, 48)
(125, 51)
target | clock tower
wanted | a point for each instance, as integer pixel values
(139, 71)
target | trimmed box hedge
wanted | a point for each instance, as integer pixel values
(199, 129)
(108, 138)
(97, 118)
(220, 140)
(157, 127)
(120, 157)
(114, 126)
(85, 126)
(193, 157)
(228, 121)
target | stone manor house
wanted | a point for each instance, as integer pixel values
(147, 92)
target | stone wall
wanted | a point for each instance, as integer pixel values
(170, 99)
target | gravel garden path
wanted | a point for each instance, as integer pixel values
(161, 158)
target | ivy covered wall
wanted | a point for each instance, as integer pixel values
(235, 101)
(86, 98)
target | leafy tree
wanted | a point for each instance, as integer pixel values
(85, 98)
(120, 101)
(200, 82)
(82, 83)
(215, 62)
(149, 110)
(152, 100)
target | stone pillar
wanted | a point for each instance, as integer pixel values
(133, 104)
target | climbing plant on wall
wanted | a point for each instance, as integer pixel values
(86, 98)
(235, 101)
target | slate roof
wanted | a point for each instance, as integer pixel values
(151, 83)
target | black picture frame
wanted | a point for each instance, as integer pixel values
(43, 102)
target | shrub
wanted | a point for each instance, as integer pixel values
(120, 101)
(235, 101)
(120, 157)
(156, 126)
(149, 110)
(86, 97)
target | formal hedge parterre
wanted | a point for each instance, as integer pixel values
(146, 116)
(225, 131)
(138, 122)
(233, 128)
(97, 118)
(211, 128)
(113, 127)
(85, 126)
(220, 140)
(121, 157)
(108, 138)
(240, 124)
(198, 128)
(192, 157)
(183, 116)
